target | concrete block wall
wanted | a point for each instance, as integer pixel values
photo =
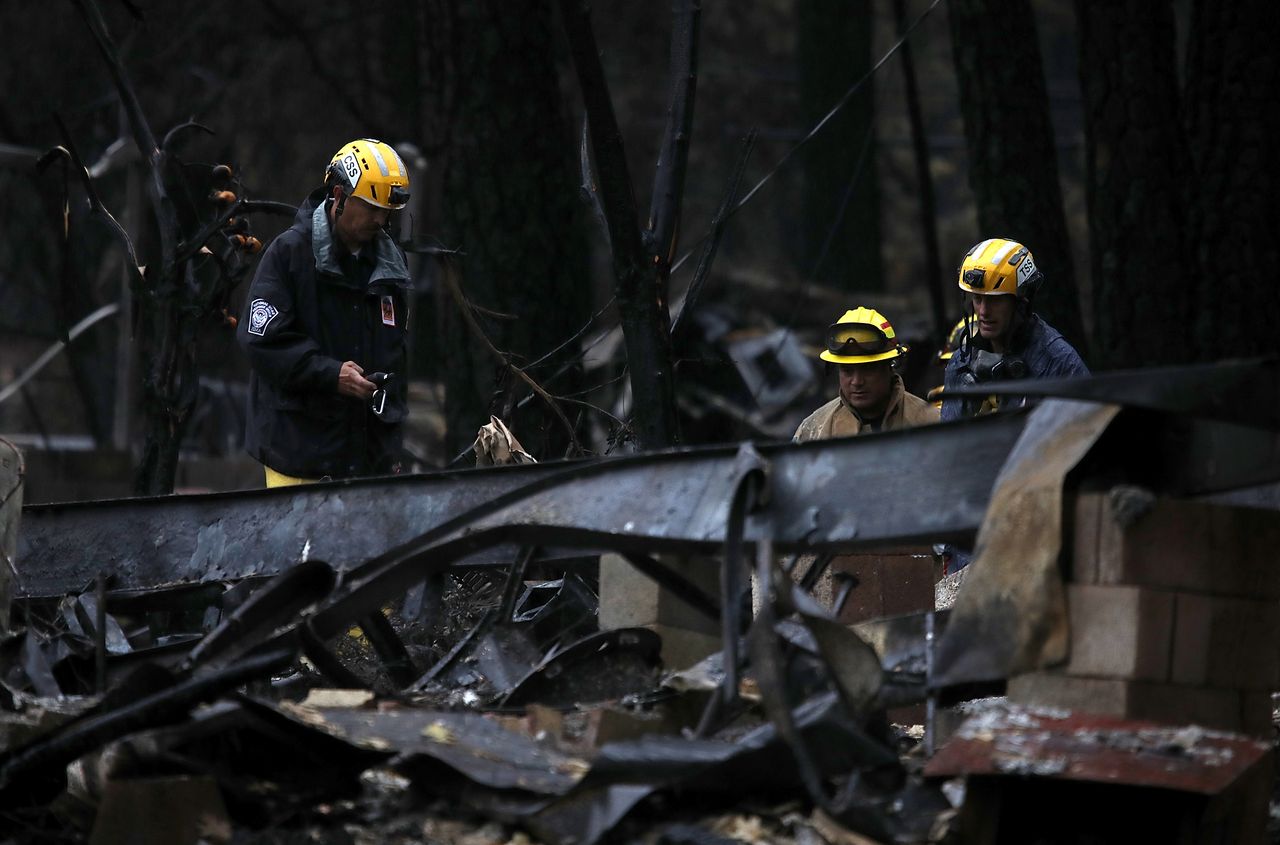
(890, 582)
(1174, 609)
(630, 599)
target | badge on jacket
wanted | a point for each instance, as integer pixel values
(261, 313)
(388, 311)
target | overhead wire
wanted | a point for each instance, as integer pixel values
(840, 104)
(817, 127)
(858, 169)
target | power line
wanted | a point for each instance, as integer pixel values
(840, 104)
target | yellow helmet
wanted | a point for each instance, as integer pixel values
(1000, 266)
(371, 170)
(861, 336)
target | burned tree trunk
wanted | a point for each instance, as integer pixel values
(841, 234)
(89, 358)
(1232, 120)
(195, 259)
(1183, 191)
(1137, 166)
(640, 268)
(163, 364)
(1013, 163)
(166, 340)
(509, 205)
(934, 276)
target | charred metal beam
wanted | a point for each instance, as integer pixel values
(275, 604)
(929, 484)
(175, 541)
(899, 487)
(681, 502)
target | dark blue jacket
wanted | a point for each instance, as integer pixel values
(312, 306)
(1046, 353)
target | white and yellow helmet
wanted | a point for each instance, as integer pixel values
(1000, 266)
(861, 336)
(371, 170)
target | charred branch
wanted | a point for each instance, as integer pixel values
(450, 277)
(177, 290)
(143, 137)
(68, 151)
(175, 134)
(638, 289)
(663, 233)
(713, 238)
(189, 248)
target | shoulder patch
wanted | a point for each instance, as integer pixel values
(261, 313)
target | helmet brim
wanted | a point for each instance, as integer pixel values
(373, 204)
(982, 292)
(827, 355)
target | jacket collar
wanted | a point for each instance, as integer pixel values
(896, 393)
(389, 263)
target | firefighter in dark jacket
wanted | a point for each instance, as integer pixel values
(1006, 339)
(1003, 339)
(325, 328)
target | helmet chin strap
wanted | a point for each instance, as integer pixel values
(334, 180)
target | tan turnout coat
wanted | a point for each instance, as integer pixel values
(837, 419)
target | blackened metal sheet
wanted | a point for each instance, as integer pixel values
(927, 484)
(1034, 742)
(756, 763)
(469, 744)
(603, 666)
(920, 485)
(1011, 615)
(147, 543)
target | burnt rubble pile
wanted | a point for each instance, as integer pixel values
(423, 659)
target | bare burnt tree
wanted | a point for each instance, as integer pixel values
(1137, 171)
(642, 255)
(1233, 119)
(1183, 185)
(841, 233)
(89, 358)
(1013, 162)
(195, 253)
(508, 204)
(935, 279)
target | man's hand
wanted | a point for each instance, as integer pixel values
(351, 381)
